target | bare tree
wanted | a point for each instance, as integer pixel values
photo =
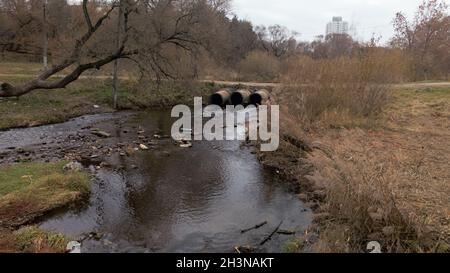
(426, 38)
(43, 80)
(45, 36)
(155, 27)
(223, 6)
(276, 39)
(116, 62)
(332, 46)
(21, 21)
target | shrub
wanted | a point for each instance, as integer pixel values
(259, 66)
(341, 89)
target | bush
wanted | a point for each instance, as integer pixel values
(340, 89)
(259, 66)
(152, 94)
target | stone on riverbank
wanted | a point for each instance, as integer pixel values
(100, 133)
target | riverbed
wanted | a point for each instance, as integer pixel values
(166, 198)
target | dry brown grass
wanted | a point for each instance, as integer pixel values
(340, 91)
(32, 240)
(259, 66)
(379, 156)
(390, 184)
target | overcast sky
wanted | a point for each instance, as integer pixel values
(309, 17)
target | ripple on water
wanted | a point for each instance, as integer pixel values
(195, 200)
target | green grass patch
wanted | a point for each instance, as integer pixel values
(425, 93)
(23, 68)
(53, 106)
(34, 239)
(419, 100)
(292, 246)
(28, 190)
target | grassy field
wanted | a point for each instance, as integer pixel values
(29, 190)
(43, 107)
(385, 178)
(89, 96)
(22, 68)
(388, 182)
(32, 240)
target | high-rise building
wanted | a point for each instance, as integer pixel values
(337, 26)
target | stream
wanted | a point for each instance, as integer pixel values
(166, 199)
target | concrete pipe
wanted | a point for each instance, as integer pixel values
(259, 97)
(240, 97)
(221, 97)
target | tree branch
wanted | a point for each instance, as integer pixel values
(8, 90)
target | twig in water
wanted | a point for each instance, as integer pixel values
(244, 249)
(254, 227)
(286, 232)
(237, 249)
(271, 234)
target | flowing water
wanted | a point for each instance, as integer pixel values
(172, 199)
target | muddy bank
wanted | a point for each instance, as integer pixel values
(290, 163)
(52, 142)
(150, 195)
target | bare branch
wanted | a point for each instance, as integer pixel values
(86, 15)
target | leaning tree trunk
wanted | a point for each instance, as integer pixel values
(44, 80)
(116, 62)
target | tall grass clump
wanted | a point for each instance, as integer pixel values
(347, 89)
(362, 205)
(259, 66)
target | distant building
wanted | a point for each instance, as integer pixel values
(319, 38)
(337, 26)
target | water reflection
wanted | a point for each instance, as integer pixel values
(182, 200)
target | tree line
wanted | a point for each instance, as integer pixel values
(191, 38)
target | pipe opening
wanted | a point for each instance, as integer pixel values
(237, 98)
(216, 99)
(240, 97)
(220, 98)
(256, 99)
(259, 97)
